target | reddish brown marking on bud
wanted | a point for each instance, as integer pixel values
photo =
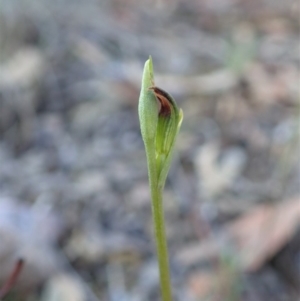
(164, 100)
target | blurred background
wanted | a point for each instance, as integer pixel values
(74, 196)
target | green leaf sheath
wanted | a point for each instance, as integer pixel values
(148, 110)
(148, 115)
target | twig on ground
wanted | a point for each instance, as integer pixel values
(8, 285)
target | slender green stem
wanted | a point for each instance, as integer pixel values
(161, 244)
(160, 234)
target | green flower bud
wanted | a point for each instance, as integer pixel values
(160, 121)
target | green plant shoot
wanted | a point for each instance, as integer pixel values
(160, 121)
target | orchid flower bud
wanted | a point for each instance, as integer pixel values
(160, 121)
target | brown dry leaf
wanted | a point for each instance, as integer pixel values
(201, 284)
(260, 234)
(193, 253)
(256, 236)
(269, 88)
(220, 283)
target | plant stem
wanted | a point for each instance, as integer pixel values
(161, 243)
(160, 234)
